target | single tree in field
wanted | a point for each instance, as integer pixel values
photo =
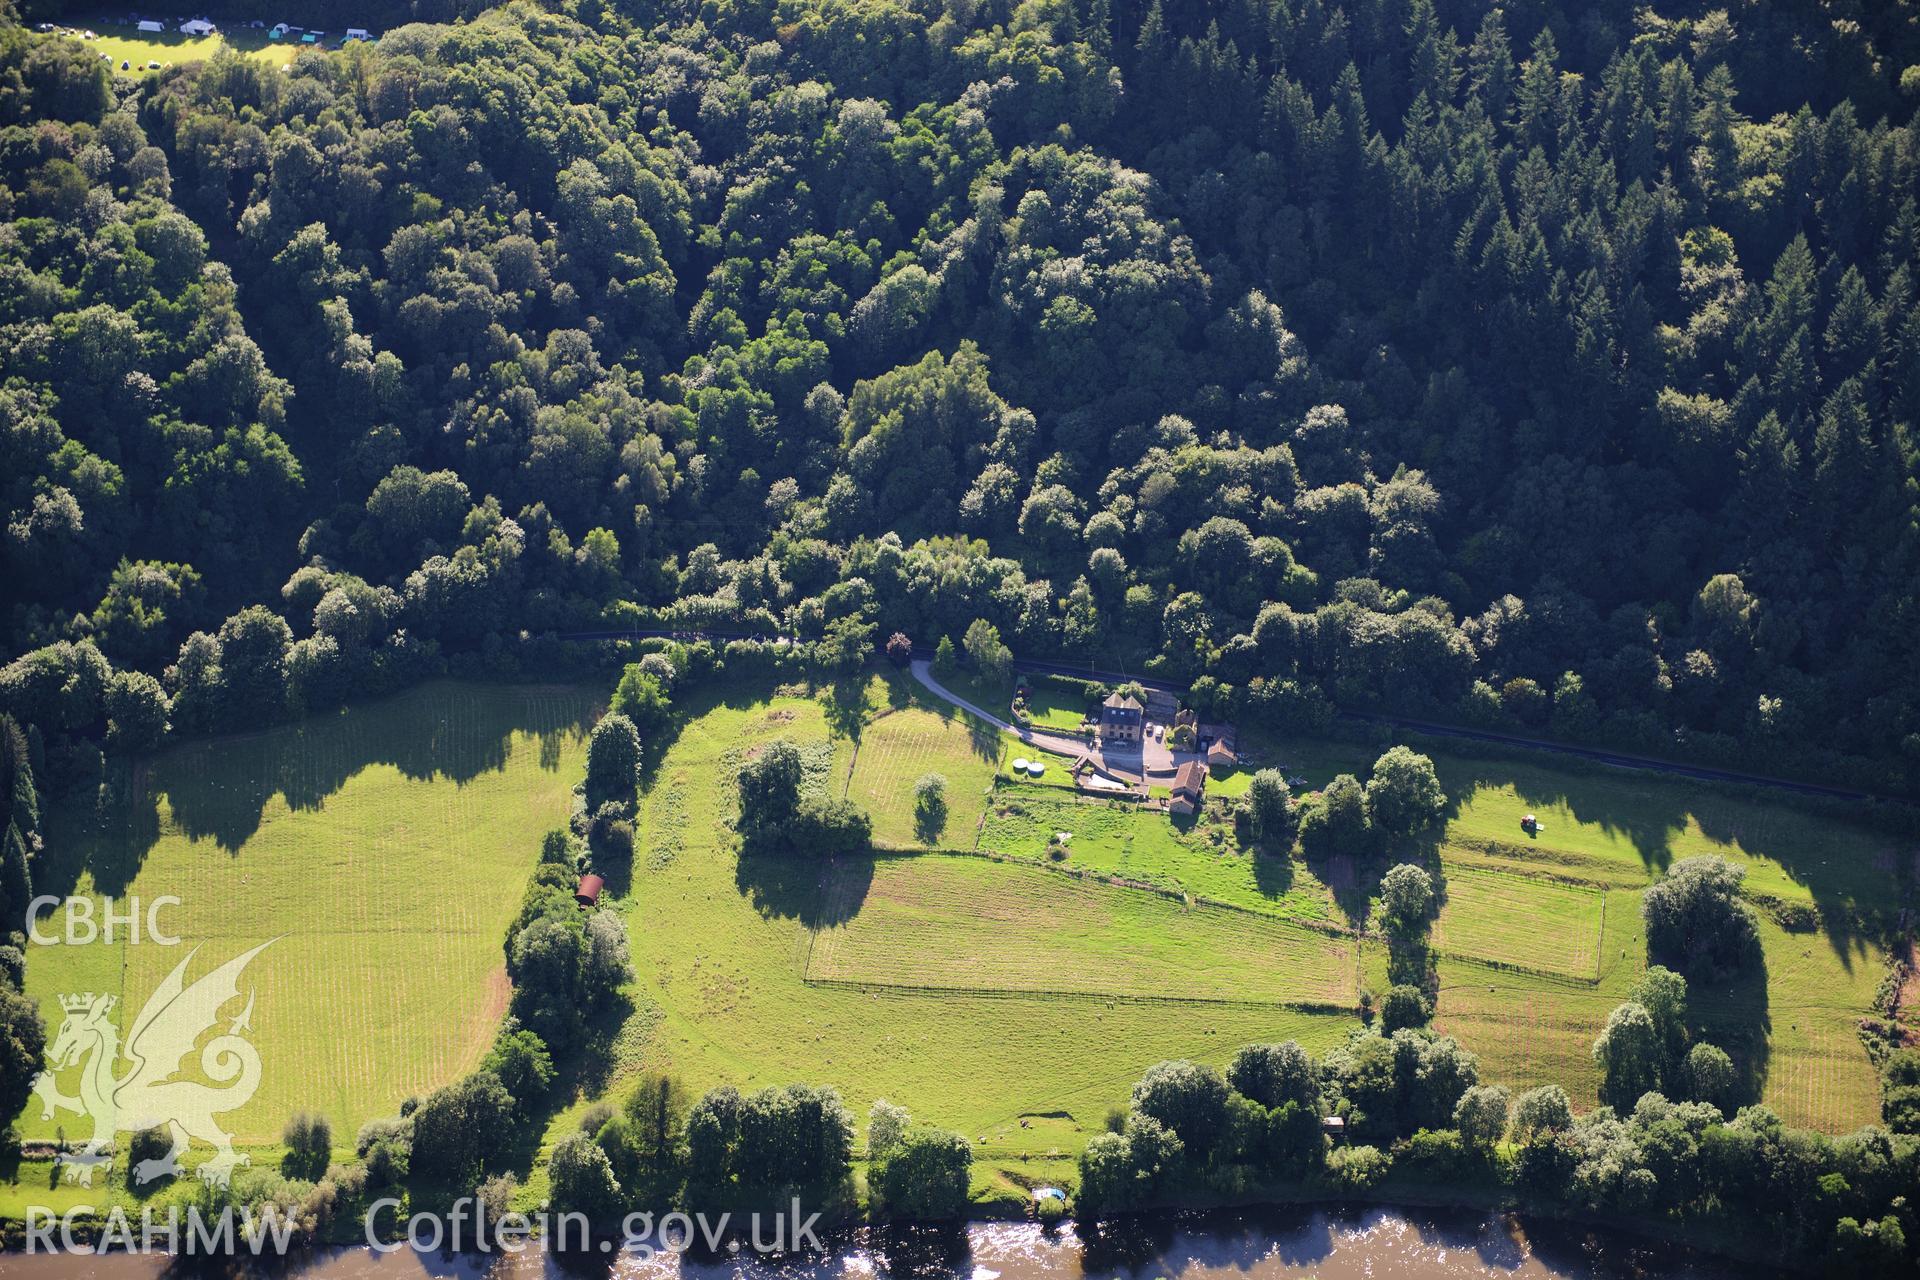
(148, 1147)
(1336, 824)
(770, 791)
(1403, 795)
(1270, 806)
(886, 1125)
(1696, 920)
(1406, 895)
(899, 649)
(309, 1142)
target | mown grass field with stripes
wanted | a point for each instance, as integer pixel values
(918, 736)
(968, 923)
(1523, 921)
(379, 852)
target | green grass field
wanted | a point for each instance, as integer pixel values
(1048, 707)
(1516, 899)
(721, 950)
(902, 743)
(1516, 920)
(121, 43)
(1124, 841)
(961, 923)
(380, 851)
(384, 848)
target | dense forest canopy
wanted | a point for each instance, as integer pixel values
(1540, 365)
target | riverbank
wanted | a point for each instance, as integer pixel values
(1326, 1242)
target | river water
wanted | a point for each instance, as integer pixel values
(1284, 1244)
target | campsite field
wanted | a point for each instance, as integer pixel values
(982, 990)
(368, 850)
(123, 43)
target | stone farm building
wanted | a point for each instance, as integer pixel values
(1189, 787)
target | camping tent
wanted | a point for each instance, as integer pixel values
(148, 25)
(196, 27)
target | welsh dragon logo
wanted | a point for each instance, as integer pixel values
(171, 1022)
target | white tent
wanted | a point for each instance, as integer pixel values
(147, 24)
(196, 27)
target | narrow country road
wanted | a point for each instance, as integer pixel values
(1595, 755)
(1072, 748)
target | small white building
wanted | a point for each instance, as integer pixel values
(196, 27)
(150, 26)
(356, 33)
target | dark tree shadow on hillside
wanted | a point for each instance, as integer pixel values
(818, 895)
(1272, 872)
(1734, 1013)
(219, 789)
(1648, 811)
(849, 705)
(930, 821)
(110, 839)
(984, 739)
(653, 748)
(1411, 963)
(1344, 877)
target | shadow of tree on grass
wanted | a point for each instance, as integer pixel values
(817, 894)
(219, 789)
